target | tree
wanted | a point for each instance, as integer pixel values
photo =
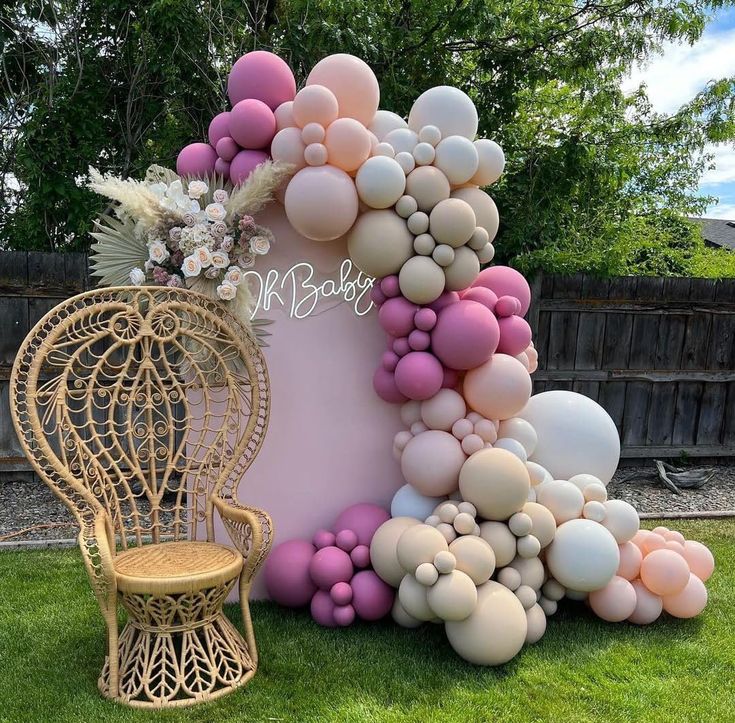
(588, 171)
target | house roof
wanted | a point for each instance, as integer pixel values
(717, 231)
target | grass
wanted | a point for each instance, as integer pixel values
(51, 649)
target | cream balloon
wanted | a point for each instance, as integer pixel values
(536, 620)
(385, 121)
(499, 389)
(453, 596)
(543, 524)
(412, 595)
(474, 557)
(520, 430)
(421, 280)
(463, 270)
(418, 544)
(486, 212)
(621, 519)
(379, 243)
(491, 162)
(531, 570)
(380, 182)
(501, 540)
(562, 499)
(400, 616)
(452, 222)
(457, 158)
(447, 108)
(383, 549)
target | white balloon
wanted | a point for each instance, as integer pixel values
(409, 502)
(380, 182)
(447, 108)
(491, 162)
(622, 520)
(583, 556)
(513, 446)
(537, 473)
(562, 499)
(457, 158)
(403, 140)
(575, 435)
(582, 480)
(520, 430)
(385, 121)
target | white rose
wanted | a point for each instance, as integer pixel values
(260, 245)
(137, 277)
(158, 252)
(148, 265)
(204, 256)
(220, 196)
(220, 259)
(226, 291)
(246, 261)
(215, 212)
(219, 228)
(197, 189)
(191, 266)
(234, 275)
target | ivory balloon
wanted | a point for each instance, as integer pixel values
(575, 435)
(621, 519)
(383, 549)
(447, 108)
(409, 502)
(520, 430)
(380, 182)
(500, 389)
(457, 158)
(486, 212)
(385, 121)
(562, 499)
(543, 524)
(379, 243)
(491, 162)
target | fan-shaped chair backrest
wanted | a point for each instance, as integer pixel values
(145, 401)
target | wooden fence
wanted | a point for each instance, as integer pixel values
(657, 353)
(30, 285)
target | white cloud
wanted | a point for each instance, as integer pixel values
(724, 170)
(721, 210)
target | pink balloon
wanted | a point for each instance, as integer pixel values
(243, 164)
(287, 573)
(447, 298)
(360, 556)
(396, 316)
(371, 597)
(252, 124)
(506, 305)
(689, 602)
(227, 148)
(630, 561)
(482, 296)
(341, 593)
(353, 84)
(384, 384)
(419, 340)
(196, 159)
(401, 346)
(425, 319)
(648, 606)
(329, 566)
(700, 559)
(465, 336)
(323, 538)
(219, 127)
(499, 388)
(315, 104)
(515, 335)
(419, 375)
(377, 296)
(390, 286)
(322, 609)
(450, 379)
(288, 147)
(344, 615)
(222, 168)
(263, 76)
(363, 519)
(505, 281)
(348, 144)
(664, 572)
(389, 360)
(615, 602)
(321, 203)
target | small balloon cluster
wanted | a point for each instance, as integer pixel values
(332, 573)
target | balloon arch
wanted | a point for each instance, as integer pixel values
(505, 510)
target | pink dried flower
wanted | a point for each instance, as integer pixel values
(160, 275)
(175, 282)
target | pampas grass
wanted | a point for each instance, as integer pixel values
(135, 197)
(259, 189)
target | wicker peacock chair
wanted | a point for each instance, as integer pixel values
(141, 408)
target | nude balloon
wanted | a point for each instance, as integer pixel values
(688, 602)
(700, 559)
(486, 212)
(648, 605)
(630, 561)
(431, 462)
(315, 104)
(288, 147)
(491, 162)
(348, 144)
(615, 602)
(499, 388)
(383, 549)
(664, 572)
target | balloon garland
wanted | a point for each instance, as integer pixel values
(505, 509)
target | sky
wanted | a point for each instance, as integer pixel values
(677, 75)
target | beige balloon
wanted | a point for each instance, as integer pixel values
(452, 222)
(399, 615)
(412, 595)
(380, 243)
(531, 570)
(453, 596)
(463, 270)
(543, 523)
(474, 557)
(495, 631)
(501, 540)
(418, 544)
(420, 278)
(383, 549)
(428, 185)
(486, 212)
(496, 482)
(536, 619)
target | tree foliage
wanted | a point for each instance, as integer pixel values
(595, 179)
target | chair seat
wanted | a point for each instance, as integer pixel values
(176, 567)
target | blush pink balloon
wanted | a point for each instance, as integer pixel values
(363, 519)
(222, 168)
(648, 605)
(664, 572)
(419, 375)
(243, 164)
(384, 384)
(482, 296)
(515, 335)
(615, 602)
(689, 602)
(328, 566)
(630, 561)
(263, 76)
(505, 281)
(252, 124)
(499, 388)
(286, 573)
(348, 144)
(219, 127)
(507, 306)
(465, 336)
(196, 159)
(396, 316)
(371, 597)
(447, 298)
(322, 609)
(227, 148)
(321, 202)
(315, 104)
(652, 542)
(700, 559)
(288, 147)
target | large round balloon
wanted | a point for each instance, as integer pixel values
(286, 573)
(447, 108)
(263, 76)
(465, 336)
(379, 244)
(244, 163)
(353, 83)
(321, 202)
(575, 435)
(499, 389)
(431, 462)
(196, 159)
(383, 549)
(486, 212)
(252, 124)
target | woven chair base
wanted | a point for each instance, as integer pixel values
(166, 659)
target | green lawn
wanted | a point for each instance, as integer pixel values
(51, 649)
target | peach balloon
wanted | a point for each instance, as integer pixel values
(675, 536)
(348, 144)
(653, 542)
(499, 388)
(630, 561)
(284, 116)
(689, 602)
(288, 147)
(321, 202)
(675, 546)
(353, 83)
(431, 462)
(314, 104)
(700, 559)
(648, 605)
(615, 602)
(640, 537)
(664, 572)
